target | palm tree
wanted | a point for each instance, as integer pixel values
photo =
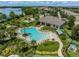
(23, 11)
(12, 14)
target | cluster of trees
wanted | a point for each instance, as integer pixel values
(12, 14)
(74, 28)
(63, 14)
(75, 32)
(30, 11)
(52, 11)
(2, 16)
(71, 21)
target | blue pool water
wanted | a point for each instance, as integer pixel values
(34, 33)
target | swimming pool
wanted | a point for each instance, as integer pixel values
(34, 33)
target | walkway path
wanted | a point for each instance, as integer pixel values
(56, 37)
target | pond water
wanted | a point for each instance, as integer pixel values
(6, 11)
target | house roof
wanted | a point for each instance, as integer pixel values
(51, 20)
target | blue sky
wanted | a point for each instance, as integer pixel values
(39, 3)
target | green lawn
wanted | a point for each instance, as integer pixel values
(48, 46)
(67, 31)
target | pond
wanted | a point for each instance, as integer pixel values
(6, 11)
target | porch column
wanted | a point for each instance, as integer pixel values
(51, 26)
(45, 24)
(40, 23)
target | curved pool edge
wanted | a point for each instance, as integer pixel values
(38, 41)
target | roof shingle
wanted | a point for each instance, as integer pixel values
(52, 20)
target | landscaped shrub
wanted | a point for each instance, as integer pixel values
(47, 28)
(71, 54)
(7, 51)
(63, 37)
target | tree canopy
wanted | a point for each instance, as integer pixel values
(12, 14)
(75, 32)
(2, 16)
(71, 21)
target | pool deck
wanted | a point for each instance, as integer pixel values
(39, 41)
(51, 36)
